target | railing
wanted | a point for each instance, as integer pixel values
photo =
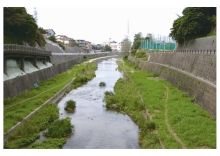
(27, 49)
(196, 51)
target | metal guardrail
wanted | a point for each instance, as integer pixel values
(26, 49)
(196, 51)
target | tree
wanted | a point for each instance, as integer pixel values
(42, 31)
(19, 27)
(138, 36)
(136, 44)
(73, 43)
(107, 48)
(196, 22)
(52, 38)
(137, 41)
(125, 45)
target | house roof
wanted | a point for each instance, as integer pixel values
(51, 30)
(113, 42)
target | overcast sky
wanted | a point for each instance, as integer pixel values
(99, 24)
(99, 20)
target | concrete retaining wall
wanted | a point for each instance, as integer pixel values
(203, 66)
(16, 86)
(203, 91)
(57, 59)
(73, 49)
(200, 45)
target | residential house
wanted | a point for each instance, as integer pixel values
(82, 43)
(114, 45)
(62, 38)
(106, 43)
(50, 32)
(88, 45)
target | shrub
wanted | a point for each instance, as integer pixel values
(102, 84)
(49, 144)
(133, 52)
(141, 55)
(70, 106)
(22, 141)
(59, 129)
(109, 93)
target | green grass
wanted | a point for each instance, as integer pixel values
(127, 100)
(141, 55)
(70, 106)
(192, 124)
(52, 143)
(59, 129)
(17, 108)
(29, 131)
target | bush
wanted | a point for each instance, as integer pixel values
(133, 52)
(59, 129)
(70, 106)
(102, 84)
(49, 144)
(142, 55)
(22, 141)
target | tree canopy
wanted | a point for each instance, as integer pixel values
(19, 27)
(196, 22)
(137, 41)
(126, 45)
(107, 48)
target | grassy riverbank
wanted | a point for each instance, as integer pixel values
(15, 109)
(167, 117)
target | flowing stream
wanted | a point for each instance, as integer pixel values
(95, 127)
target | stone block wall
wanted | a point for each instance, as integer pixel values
(201, 65)
(200, 45)
(203, 91)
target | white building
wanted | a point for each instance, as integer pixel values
(114, 45)
(50, 32)
(62, 38)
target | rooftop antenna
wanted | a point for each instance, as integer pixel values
(35, 14)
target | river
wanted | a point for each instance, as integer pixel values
(95, 127)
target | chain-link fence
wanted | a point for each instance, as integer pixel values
(162, 43)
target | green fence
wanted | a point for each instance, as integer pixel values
(157, 45)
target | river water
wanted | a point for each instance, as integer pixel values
(95, 127)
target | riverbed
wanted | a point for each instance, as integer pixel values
(95, 127)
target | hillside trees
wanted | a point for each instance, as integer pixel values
(137, 41)
(196, 22)
(19, 27)
(125, 45)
